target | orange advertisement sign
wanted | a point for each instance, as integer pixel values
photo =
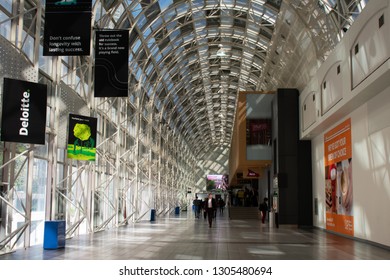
(338, 143)
(339, 223)
(338, 179)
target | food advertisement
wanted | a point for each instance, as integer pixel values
(338, 179)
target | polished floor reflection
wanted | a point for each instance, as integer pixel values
(184, 237)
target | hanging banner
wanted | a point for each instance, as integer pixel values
(82, 137)
(111, 63)
(338, 179)
(67, 28)
(24, 112)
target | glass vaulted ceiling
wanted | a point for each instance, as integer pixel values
(189, 59)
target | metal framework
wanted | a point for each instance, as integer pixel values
(188, 61)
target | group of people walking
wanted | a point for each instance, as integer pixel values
(209, 206)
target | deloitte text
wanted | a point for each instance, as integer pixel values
(25, 108)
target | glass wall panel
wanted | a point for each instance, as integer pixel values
(5, 27)
(38, 201)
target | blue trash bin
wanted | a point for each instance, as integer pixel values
(54, 235)
(177, 210)
(152, 215)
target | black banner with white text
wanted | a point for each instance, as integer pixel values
(67, 28)
(24, 112)
(111, 63)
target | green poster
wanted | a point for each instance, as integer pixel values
(82, 137)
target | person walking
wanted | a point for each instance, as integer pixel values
(197, 205)
(264, 209)
(221, 206)
(210, 206)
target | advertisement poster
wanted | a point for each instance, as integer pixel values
(67, 28)
(258, 132)
(217, 182)
(338, 179)
(82, 137)
(24, 112)
(111, 63)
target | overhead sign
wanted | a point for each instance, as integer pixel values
(252, 173)
(67, 28)
(111, 63)
(217, 182)
(24, 112)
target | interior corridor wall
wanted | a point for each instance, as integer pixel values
(370, 133)
(263, 187)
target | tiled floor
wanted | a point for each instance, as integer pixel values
(187, 238)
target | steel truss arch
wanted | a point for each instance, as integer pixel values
(188, 60)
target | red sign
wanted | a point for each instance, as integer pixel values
(252, 173)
